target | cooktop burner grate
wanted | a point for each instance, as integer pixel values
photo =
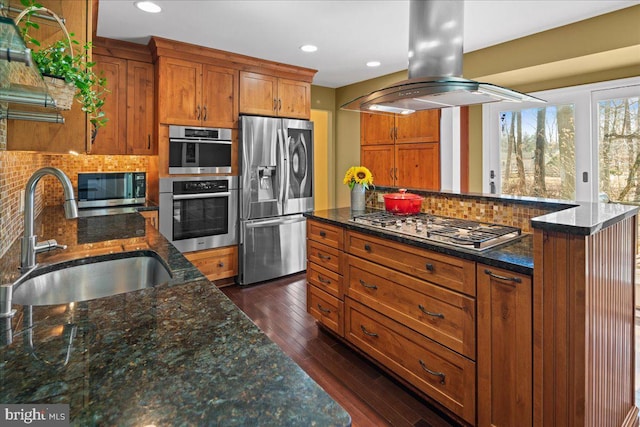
(454, 231)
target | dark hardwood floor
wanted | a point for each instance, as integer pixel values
(371, 397)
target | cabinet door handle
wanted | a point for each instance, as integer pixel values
(148, 142)
(391, 174)
(323, 280)
(367, 248)
(198, 112)
(275, 104)
(505, 278)
(324, 310)
(390, 133)
(429, 267)
(368, 286)
(395, 173)
(434, 373)
(279, 104)
(395, 133)
(323, 234)
(430, 313)
(204, 109)
(325, 257)
(364, 331)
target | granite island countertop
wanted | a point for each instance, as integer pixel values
(177, 354)
(516, 255)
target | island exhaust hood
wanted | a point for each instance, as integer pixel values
(435, 67)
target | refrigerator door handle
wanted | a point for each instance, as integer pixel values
(282, 167)
(278, 221)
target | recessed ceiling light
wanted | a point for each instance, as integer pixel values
(373, 64)
(148, 6)
(308, 48)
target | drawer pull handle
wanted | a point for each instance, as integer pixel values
(325, 257)
(324, 310)
(434, 373)
(367, 248)
(221, 264)
(323, 234)
(323, 280)
(429, 267)
(507, 279)
(429, 313)
(366, 285)
(364, 331)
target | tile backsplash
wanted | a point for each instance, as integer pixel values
(17, 166)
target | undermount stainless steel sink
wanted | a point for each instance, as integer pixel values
(94, 278)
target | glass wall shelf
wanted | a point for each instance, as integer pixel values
(20, 81)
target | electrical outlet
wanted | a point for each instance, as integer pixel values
(21, 202)
(380, 198)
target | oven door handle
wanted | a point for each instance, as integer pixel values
(279, 221)
(199, 196)
(201, 141)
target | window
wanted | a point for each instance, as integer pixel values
(582, 144)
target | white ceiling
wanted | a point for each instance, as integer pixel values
(348, 33)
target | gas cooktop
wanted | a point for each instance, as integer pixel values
(453, 231)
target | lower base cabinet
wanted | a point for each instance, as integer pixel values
(442, 374)
(216, 264)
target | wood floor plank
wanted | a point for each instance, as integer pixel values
(370, 396)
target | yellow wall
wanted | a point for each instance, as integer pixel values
(321, 159)
(603, 48)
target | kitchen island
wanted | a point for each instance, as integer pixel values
(175, 354)
(536, 331)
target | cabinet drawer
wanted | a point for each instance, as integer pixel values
(325, 256)
(329, 235)
(451, 272)
(326, 309)
(327, 280)
(443, 315)
(216, 263)
(442, 374)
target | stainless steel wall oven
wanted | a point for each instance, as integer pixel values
(199, 212)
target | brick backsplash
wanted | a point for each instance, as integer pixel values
(17, 166)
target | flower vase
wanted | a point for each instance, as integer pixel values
(358, 198)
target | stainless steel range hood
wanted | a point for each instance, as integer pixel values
(435, 67)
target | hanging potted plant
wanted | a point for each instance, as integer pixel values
(68, 73)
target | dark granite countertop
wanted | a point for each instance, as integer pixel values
(177, 354)
(516, 255)
(584, 219)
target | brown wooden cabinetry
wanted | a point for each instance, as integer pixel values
(458, 332)
(325, 289)
(263, 94)
(130, 105)
(74, 134)
(191, 93)
(151, 216)
(215, 264)
(402, 150)
(505, 348)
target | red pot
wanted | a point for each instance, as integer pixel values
(402, 203)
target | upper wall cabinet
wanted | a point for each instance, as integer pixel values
(191, 93)
(422, 126)
(130, 104)
(74, 134)
(272, 96)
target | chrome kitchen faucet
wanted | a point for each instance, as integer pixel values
(30, 245)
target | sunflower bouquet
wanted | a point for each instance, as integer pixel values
(358, 175)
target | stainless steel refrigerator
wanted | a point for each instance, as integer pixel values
(276, 187)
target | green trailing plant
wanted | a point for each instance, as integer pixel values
(58, 60)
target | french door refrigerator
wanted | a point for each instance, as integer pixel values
(276, 163)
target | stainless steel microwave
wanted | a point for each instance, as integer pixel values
(105, 189)
(194, 150)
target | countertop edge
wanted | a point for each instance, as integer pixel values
(584, 219)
